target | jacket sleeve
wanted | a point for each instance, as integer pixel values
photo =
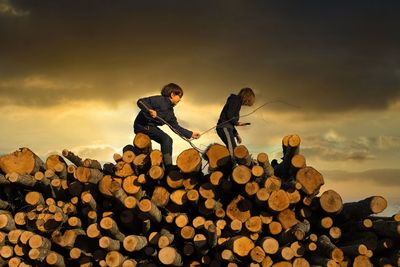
(174, 123)
(147, 103)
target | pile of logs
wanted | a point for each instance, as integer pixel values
(66, 211)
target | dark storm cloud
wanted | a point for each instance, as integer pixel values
(382, 177)
(324, 56)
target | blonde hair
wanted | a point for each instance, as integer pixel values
(247, 96)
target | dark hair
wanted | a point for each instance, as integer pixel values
(247, 96)
(170, 88)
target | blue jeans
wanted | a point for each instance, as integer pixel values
(160, 137)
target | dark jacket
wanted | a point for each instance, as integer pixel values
(165, 110)
(229, 117)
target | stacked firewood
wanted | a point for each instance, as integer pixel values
(67, 211)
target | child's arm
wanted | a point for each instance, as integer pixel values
(185, 132)
(232, 111)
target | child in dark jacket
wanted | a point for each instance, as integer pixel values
(161, 106)
(229, 118)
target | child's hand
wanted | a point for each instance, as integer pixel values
(153, 113)
(196, 135)
(239, 139)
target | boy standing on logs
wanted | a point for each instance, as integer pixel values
(159, 110)
(229, 118)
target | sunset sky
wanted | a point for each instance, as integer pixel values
(71, 72)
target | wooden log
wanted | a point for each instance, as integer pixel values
(131, 185)
(285, 253)
(6, 221)
(165, 239)
(362, 261)
(12, 262)
(254, 224)
(123, 169)
(298, 248)
(218, 157)
(310, 179)
(257, 254)
(322, 261)
(93, 231)
(92, 164)
(156, 158)
(109, 244)
(216, 177)
(387, 228)
(241, 245)
(236, 225)
(118, 192)
(242, 155)
(189, 161)
(270, 245)
(354, 250)
(328, 249)
(111, 226)
(37, 241)
(363, 208)
(278, 200)
(142, 142)
(178, 197)
(115, 259)
(187, 232)
(335, 233)
(287, 218)
(141, 163)
(272, 183)
(150, 210)
(41, 178)
(241, 174)
(22, 161)
(34, 198)
(104, 185)
(193, 196)
(6, 252)
(258, 173)
(72, 157)
(207, 190)
(88, 199)
(239, 208)
(38, 254)
(23, 179)
(128, 156)
(55, 259)
(263, 160)
(129, 263)
(88, 175)
(331, 202)
(262, 197)
(297, 232)
(227, 255)
(156, 172)
(175, 179)
(275, 228)
(170, 256)
(57, 164)
(251, 188)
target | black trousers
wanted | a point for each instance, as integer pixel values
(160, 137)
(226, 135)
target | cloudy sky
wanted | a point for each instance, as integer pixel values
(71, 72)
